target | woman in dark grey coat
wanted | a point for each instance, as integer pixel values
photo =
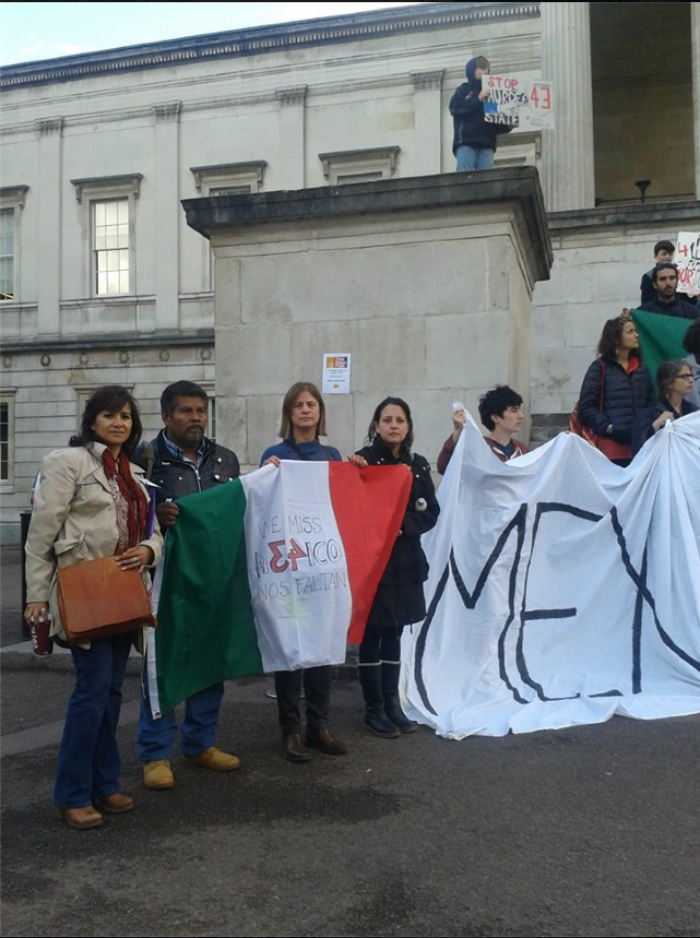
(399, 600)
(615, 388)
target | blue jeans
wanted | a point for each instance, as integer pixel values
(469, 159)
(156, 738)
(88, 760)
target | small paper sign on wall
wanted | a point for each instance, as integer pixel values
(336, 373)
(518, 101)
(688, 260)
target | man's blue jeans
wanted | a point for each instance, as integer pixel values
(469, 159)
(197, 730)
(88, 760)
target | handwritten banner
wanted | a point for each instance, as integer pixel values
(518, 101)
(688, 260)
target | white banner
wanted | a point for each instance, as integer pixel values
(562, 588)
(297, 569)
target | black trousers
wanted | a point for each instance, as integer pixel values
(380, 643)
(317, 687)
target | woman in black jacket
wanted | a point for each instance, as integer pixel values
(674, 379)
(399, 599)
(616, 387)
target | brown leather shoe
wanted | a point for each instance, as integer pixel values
(294, 748)
(116, 803)
(81, 819)
(323, 740)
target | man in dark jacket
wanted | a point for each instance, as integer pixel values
(181, 461)
(474, 142)
(664, 279)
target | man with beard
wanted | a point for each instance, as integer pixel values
(668, 302)
(181, 461)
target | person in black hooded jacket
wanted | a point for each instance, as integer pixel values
(615, 388)
(474, 143)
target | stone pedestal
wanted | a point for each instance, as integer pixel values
(567, 150)
(427, 282)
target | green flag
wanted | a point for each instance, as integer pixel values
(206, 631)
(660, 337)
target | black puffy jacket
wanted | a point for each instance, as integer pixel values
(624, 394)
(470, 128)
(399, 599)
(175, 477)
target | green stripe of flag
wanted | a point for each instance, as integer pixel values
(206, 632)
(660, 337)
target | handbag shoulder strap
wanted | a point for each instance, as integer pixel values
(601, 365)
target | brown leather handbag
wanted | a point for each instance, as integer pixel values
(97, 599)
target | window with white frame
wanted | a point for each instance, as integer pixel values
(7, 253)
(108, 217)
(352, 166)
(7, 433)
(11, 205)
(110, 236)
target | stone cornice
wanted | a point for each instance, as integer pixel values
(428, 81)
(129, 182)
(168, 112)
(354, 156)
(258, 40)
(517, 185)
(53, 125)
(612, 215)
(126, 340)
(252, 167)
(291, 97)
(14, 194)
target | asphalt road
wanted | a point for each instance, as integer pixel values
(588, 831)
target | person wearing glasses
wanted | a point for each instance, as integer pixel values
(674, 379)
(691, 344)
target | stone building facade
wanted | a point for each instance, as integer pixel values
(103, 280)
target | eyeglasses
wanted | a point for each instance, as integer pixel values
(687, 377)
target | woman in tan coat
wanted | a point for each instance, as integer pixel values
(91, 502)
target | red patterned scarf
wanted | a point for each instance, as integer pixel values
(120, 470)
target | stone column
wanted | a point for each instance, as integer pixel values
(695, 34)
(567, 150)
(49, 247)
(292, 150)
(428, 121)
(168, 215)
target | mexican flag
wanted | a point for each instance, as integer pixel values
(660, 337)
(274, 571)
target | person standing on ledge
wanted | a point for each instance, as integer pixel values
(474, 143)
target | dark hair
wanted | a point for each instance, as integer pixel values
(610, 338)
(179, 389)
(111, 397)
(666, 374)
(664, 246)
(691, 340)
(481, 62)
(286, 427)
(396, 402)
(497, 401)
(665, 266)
